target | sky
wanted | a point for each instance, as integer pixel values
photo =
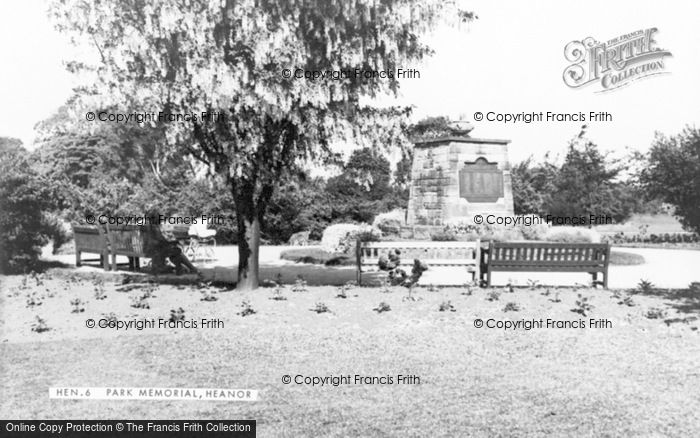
(509, 60)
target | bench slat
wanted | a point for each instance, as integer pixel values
(544, 263)
(601, 246)
(535, 268)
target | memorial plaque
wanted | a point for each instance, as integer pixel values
(455, 177)
(481, 181)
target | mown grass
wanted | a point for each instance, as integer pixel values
(636, 379)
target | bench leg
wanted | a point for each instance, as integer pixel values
(488, 278)
(595, 279)
(131, 263)
(605, 280)
(77, 259)
(359, 277)
(104, 260)
(137, 264)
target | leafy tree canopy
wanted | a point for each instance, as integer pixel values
(673, 174)
(230, 57)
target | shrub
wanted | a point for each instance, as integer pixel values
(535, 231)
(655, 313)
(110, 318)
(462, 227)
(511, 307)
(320, 308)
(443, 236)
(464, 230)
(33, 300)
(391, 222)
(583, 306)
(367, 235)
(643, 237)
(446, 306)
(382, 307)
(24, 224)
(504, 234)
(77, 306)
(527, 229)
(299, 239)
(208, 296)
(645, 286)
(40, 325)
(300, 285)
(177, 315)
(140, 302)
(343, 237)
(627, 301)
(397, 275)
(316, 256)
(343, 290)
(100, 291)
(572, 235)
(247, 309)
(277, 294)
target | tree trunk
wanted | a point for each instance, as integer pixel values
(248, 252)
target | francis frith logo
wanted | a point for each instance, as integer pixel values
(614, 63)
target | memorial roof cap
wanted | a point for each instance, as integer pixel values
(427, 142)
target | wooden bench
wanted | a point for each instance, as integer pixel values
(90, 240)
(547, 257)
(114, 240)
(458, 254)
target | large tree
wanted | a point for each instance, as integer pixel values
(363, 188)
(586, 184)
(673, 174)
(234, 58)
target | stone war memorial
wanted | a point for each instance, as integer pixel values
(455, 177)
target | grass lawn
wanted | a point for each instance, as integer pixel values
(638, 378)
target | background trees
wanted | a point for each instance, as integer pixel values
(673, 174)
(363, 189)
(25, 201)
(586, 183)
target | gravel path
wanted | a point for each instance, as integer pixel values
(666, 268)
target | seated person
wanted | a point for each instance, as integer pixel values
(162, 246)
